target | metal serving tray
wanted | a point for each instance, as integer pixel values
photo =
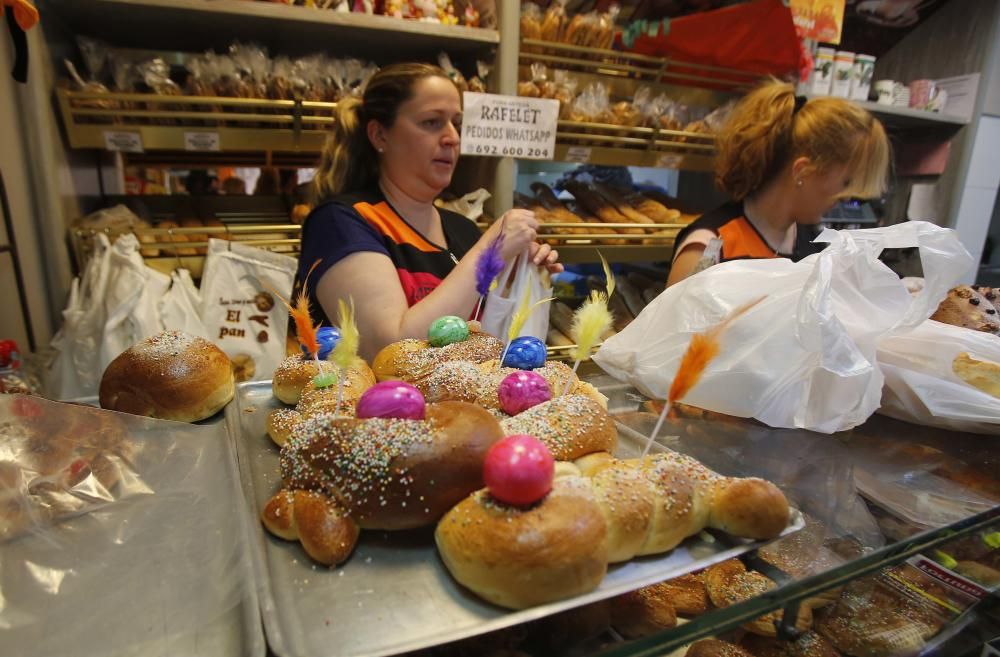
(394, 594)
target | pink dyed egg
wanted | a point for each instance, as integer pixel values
(391, 399)
(519, 470)
(520, 391)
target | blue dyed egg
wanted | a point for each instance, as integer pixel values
(327, 337)
(525, 353)
(447, 330)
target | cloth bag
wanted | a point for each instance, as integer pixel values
(75, 371)
(180, 307)
(239, 308)
(805, 356)
(922, 387)
(131, 300)
(518, 276)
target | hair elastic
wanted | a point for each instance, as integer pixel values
(800, 101)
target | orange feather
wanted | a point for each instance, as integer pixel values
(304, 328)
(703, 348)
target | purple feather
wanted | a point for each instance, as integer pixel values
(489, 265)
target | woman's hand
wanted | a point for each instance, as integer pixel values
(520, 229)
(545, 256)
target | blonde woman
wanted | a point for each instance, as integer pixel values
(375, 231)
(784, 161)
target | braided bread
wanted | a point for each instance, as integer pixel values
(295, 374)
(521, 556)
(376, 474)
(313, 401)
(571, 426)
(478, 382)
(409, 360)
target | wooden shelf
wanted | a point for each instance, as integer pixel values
(194, 25)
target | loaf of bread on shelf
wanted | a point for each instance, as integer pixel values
(561, 213)
(716, 648)
(687, 594)
(968, 308)
(642, 612)
(807, 644)
(653, 209)
(410, 359)
(171, 376)
(595, 204)
(729, 583)
(601, 509)
(617, 199)
(633, 299)
(556, 338)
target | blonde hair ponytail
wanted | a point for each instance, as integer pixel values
(765, 133)
(348, 161)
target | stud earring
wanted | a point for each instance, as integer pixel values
(382, 150)
(798, 183)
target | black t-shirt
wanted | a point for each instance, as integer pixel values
(351, 223)
(741, 239)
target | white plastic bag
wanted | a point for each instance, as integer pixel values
(75, 372)
(239, 308)
(921, 387)
(469, 206)
(805, 357)
(180, 307)
(503, 300)
(130, 300)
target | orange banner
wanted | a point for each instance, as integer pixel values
(819, 20)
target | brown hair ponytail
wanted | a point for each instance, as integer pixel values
(349, 161)
(765, 133)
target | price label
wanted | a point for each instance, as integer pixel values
(509, 126)
(201, 141)
(578, 154)
(671, 161)
(124, 142)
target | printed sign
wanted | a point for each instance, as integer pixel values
(578, 154)
(124, 142)
(201, 141)
(509, 126)
(819, 20)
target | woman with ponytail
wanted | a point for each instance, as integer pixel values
(375, 232)
(784, 161)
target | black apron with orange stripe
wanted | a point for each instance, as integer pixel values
(742, 241)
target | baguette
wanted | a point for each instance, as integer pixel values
(618, 201)
(620, 312)
(599, 207)
(653, 209)
(556, 338)
(561, 316)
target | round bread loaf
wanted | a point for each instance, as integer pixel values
(390, 473)
(968, 308)
(295, 374)
(519, 557)
(409, 360)
(171, 376)
(643, 612)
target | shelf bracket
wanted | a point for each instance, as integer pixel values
(787, 631)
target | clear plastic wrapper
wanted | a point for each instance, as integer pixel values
(131, 540)
(554, 21)
(444, 61)
(531, 21)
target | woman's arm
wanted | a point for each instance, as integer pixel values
(685, 262)
(382, 314)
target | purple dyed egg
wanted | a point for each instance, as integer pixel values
(391, 399)
(520, 391)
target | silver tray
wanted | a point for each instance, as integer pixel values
(394, 594)
(89, 585)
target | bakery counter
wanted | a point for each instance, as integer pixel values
(900, 552)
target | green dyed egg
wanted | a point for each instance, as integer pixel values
(447, 330)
